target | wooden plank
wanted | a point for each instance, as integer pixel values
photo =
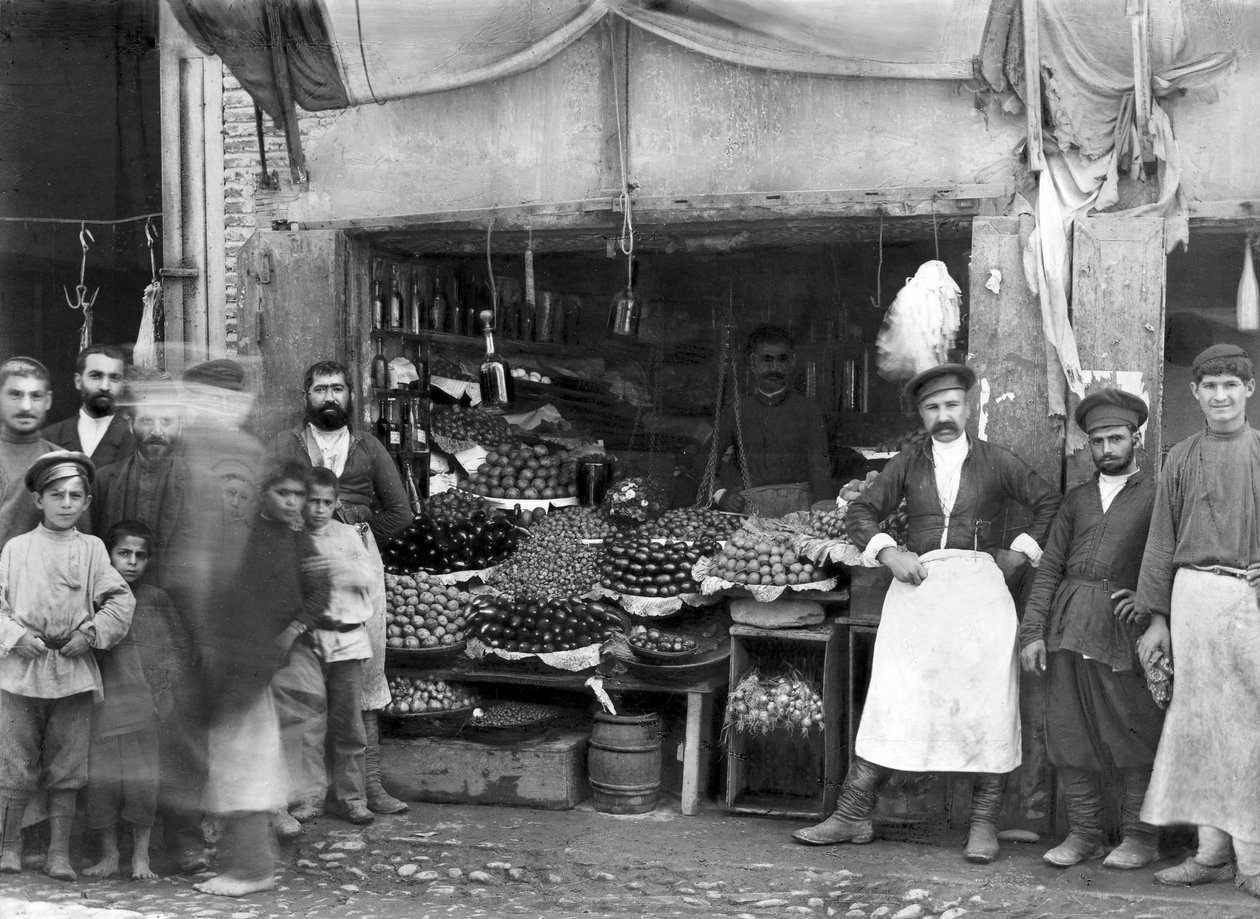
(193, 228)
(692, 754)
(1032, 84)
(172, 37)
(1119, 269)
(215, 286)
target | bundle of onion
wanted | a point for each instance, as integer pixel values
(759, 705)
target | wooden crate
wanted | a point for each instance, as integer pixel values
(783, 774)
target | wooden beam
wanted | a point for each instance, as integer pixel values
(1032, 84)
(171, 37)
(215, 286)
(943, 200)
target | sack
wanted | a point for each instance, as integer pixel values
(1159, 680)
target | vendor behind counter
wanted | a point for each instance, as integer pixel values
(784, 437)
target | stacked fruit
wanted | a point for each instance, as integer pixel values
(510, 715)
(819, 524)
(691, 523)
(549, 564)
(655, 640)
(454, 505)
(636, 565)
(416, 695)
(519, 471)
(764, 558)
(575, 523)
(422, 613)
(895, 524)
(541, 626)
(457, 544)
(468, 424)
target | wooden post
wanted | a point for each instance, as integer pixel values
(1032, 84)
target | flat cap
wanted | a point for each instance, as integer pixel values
(59, 464)
(1110, 408)
(938, 378)
(223, 373)
(1217, 353)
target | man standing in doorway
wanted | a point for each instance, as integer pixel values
(944, 691)
(97, 428)
(25, 397)
(371, 497)
(779, 437)
(1200, 575)
(1080, 630)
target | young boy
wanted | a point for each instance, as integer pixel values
(263, 612)
(340, 642)
(59, 599)
(139, 673)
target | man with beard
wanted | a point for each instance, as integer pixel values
(371, 497)
(25, 398)
(944, 690)
(183, 507)
(96, 429)
(1080, 629)
(779, 437)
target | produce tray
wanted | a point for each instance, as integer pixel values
(707, 662)
(452, 578)
(508, 504)
(711, 585)
(424, 657)
(573, 660)
(427, 724)
(653, 607)
(511, 733)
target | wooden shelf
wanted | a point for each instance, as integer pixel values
(631, 348)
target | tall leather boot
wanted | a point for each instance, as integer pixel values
(851, 820)
(986, 805)
(1082, 793)
(379, 801)
(60, 817)
(11, 811)
(1140, 845)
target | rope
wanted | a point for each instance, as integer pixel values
(879, 266)
(626, 241)
(367, 77)
(494, 292)
(79, 221)
(935, 239)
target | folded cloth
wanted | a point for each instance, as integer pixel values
(1159, 680)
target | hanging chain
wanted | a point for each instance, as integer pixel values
(741, 456)
(82, 301)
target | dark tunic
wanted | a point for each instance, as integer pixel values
(991, 476)
(1068, 607)
(785, 441)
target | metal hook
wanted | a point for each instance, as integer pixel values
(81, 300)
(151, 235)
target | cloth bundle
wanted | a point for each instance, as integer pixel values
(921, 325)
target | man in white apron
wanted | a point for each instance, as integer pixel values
(1199, 581)
(944, 691)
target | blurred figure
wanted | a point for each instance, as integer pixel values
(269, 607)
(216, 405)
(25, 397)
(182, 505)
(97, 428)
(371, 496)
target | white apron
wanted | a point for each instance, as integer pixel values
(944, 692)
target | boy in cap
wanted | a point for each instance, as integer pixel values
(1080, 630)
(1198, 584)
(944, 691)
(59, 599)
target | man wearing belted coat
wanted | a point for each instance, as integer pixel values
(944, 691)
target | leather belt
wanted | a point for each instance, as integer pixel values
(1223, 570)
(55, 644)
(1106, 584)
(347, 628)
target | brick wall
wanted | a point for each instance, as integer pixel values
(246, 205)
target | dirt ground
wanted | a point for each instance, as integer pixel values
(471, 861)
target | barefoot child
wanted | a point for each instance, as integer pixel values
(138, 674)
(59, 599)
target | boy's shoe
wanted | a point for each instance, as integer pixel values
(352, 812)
(1191, 873)
(285, 826)
(1132, 853)
(1074, 850)
(306, 810)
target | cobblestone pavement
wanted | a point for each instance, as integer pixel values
(457, 862)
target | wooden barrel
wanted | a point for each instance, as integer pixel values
(623, 761)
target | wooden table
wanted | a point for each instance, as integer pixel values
(698, 739)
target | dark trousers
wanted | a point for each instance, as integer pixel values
(123, 779)
(346, 738)
(182, 734)
(43, 743)
(1097, 718)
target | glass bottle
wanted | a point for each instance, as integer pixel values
(454, 308)
(378, 305)
(415, 304)
(405, 433)
(395, 300)
(392, 430)
(497, 386)
(438, 310)
(380, 371)
(382, 421)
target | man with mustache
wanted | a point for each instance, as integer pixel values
(1080, 631)
(97, 429)
(944, 690)
(25, 397)
(371, 496)
(784, 464)
(182, 505)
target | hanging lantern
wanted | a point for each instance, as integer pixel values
(1248, 302)
(626, 308)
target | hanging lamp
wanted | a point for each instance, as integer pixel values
(626, 308)
(1248, 302)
